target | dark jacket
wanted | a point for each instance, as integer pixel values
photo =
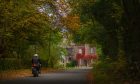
(36, 60)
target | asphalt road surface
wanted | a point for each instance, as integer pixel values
(73, 76)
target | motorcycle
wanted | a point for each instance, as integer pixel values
(35, 70)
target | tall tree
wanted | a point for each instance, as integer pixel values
(120, 21)
(131, 34)
(21, 25)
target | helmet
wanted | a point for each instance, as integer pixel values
(35, 54)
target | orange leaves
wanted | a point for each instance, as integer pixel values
(72, 22)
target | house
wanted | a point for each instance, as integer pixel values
(83, 54)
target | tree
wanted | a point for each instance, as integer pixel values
(27, 27)
(21, 26)
(120, 27)
(131, 34)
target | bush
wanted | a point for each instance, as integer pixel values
(109, 72)
(8, 64)
(71, 64)
(13, 64)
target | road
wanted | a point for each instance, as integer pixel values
(72, 76)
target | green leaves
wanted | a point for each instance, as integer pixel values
(114, 25)
(21, 26)
(25, 30)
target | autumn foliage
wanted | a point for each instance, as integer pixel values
(72, 22)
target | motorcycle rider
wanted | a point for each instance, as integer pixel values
(36, 62)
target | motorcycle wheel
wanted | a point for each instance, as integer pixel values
(35, 72)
